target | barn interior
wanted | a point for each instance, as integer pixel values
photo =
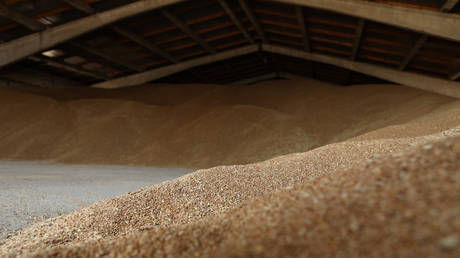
(230, 128)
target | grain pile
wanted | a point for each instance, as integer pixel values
(405, 205)
(378, 194)
(197, 126)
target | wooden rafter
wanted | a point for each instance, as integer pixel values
(26, 21)
(247, 9)
(86, 8)
(418, 20)
(139, 40)
(413, 52)
(235, 20)
(436, 85)
(30, 23)
(69, 67)
(187, 30)
(107, 56)
(454, 76)
(144, 77)
(256, 79)
(80, 5)
(449, 5)
(428, 83)
(446, 7)
(42, 40)
(303, 28)
(358, 37)
(34, 25)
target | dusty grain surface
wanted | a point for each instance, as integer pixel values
(198, 126)
(386, 186)
(401, 205)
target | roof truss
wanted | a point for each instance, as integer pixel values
(248, 22)
(418, 20)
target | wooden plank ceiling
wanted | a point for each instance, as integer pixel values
(197, 28)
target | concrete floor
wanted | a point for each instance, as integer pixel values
(31, 191)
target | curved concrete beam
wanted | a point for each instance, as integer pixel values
(423, 82)
(151, 75)
(36, 42)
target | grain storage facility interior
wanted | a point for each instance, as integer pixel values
(230, 128)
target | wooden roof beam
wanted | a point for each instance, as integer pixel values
(358, 37)
(69, 67)
(449, 5)
(303, 28)
(80, 5)
(247, 9)
(33, 43)
(413, 52)
(151, 75)
(256, 79)
(235, 20)
(86, 8)
(455, 76)
(423, 21)
(30, 23)
(37, 27)
(420, 81)
(428, 22)
(187, 30)
(139, 40)
(111, 58)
